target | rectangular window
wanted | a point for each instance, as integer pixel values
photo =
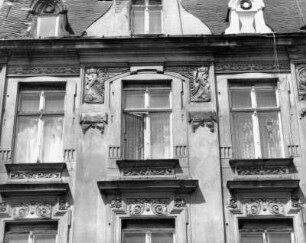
(256, 120)
(148, 230)
(266, 231)
(146, 16)
(47, 26)
(147, 115)
(39, 129)
(42, 232)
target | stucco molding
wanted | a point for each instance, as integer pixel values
(203, 119)
(31, 209)
(235, 67)
(36, 70)
(147, 206)
(301, 79)
(93, 120)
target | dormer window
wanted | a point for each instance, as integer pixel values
(146, 16)
(50, 19)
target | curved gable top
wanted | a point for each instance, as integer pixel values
(172, 19)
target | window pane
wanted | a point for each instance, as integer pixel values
(44, 238)
(269, 134)
(155, 21)
(138, 21)
(159, 99)
(134, 99)
(29, 102)
(251, 237)
(52, 139)
(138, 2)
(243, 135)
(160, 135)
(26, 149)
(54, 101)
(279, 237)
(17, 238)
(134, 136)
(241, 98)
(162, 237)
(134, 237)
(155, 2)
(47, 26)
(266, 98)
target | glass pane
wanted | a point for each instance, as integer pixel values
(134, 237)
(269, 134)
(138, 21)
(44, 238)
(243, 135)
(162, 237)
(47, 26)
(53, 139)
(134, 99)
(54, 101)
(241, 98)
(155, 21)
(134, 136)
(279, 237)
(26, 147)
(138, 2)
(29, 102)
(16, 238)
(266, 98)
(160, 135)
(251, 237)
(159, 99)
(155, 2)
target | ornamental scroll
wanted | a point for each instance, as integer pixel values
(301, 78)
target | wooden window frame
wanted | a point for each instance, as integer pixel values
(146, 111)
(41, 113)
(56, 27)
(146, 7)
(255, 109)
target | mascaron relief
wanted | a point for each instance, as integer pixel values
(93, 120)
(301, 78)
(34, 209)
(203, 119)
(147, 206)
(95, 78)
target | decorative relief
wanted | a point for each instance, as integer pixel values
(147, 206)
(203, 119)
(234, 205)
(69, 155)
(264, 206)
(302, 113)
(93, 120)
(250, 67)
(226, 152)
(181, 151)
(62, 207)
(264, 170)
(301, 78)
(4, 210)
(5, 155)
(114, 152)
(179, 202)
(34, 175)
(95, 78)
(293, 150)
(116, 203)
(295, 204)
(34, 209)
(199, 85)
(43, 70)
(147, 171)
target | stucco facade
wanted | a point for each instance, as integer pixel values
(192, 131)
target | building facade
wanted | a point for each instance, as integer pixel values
(152, 121)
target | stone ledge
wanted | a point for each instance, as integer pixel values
(25, 188)
(263, 185)
(176, 186)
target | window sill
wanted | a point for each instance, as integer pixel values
(35, 171)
